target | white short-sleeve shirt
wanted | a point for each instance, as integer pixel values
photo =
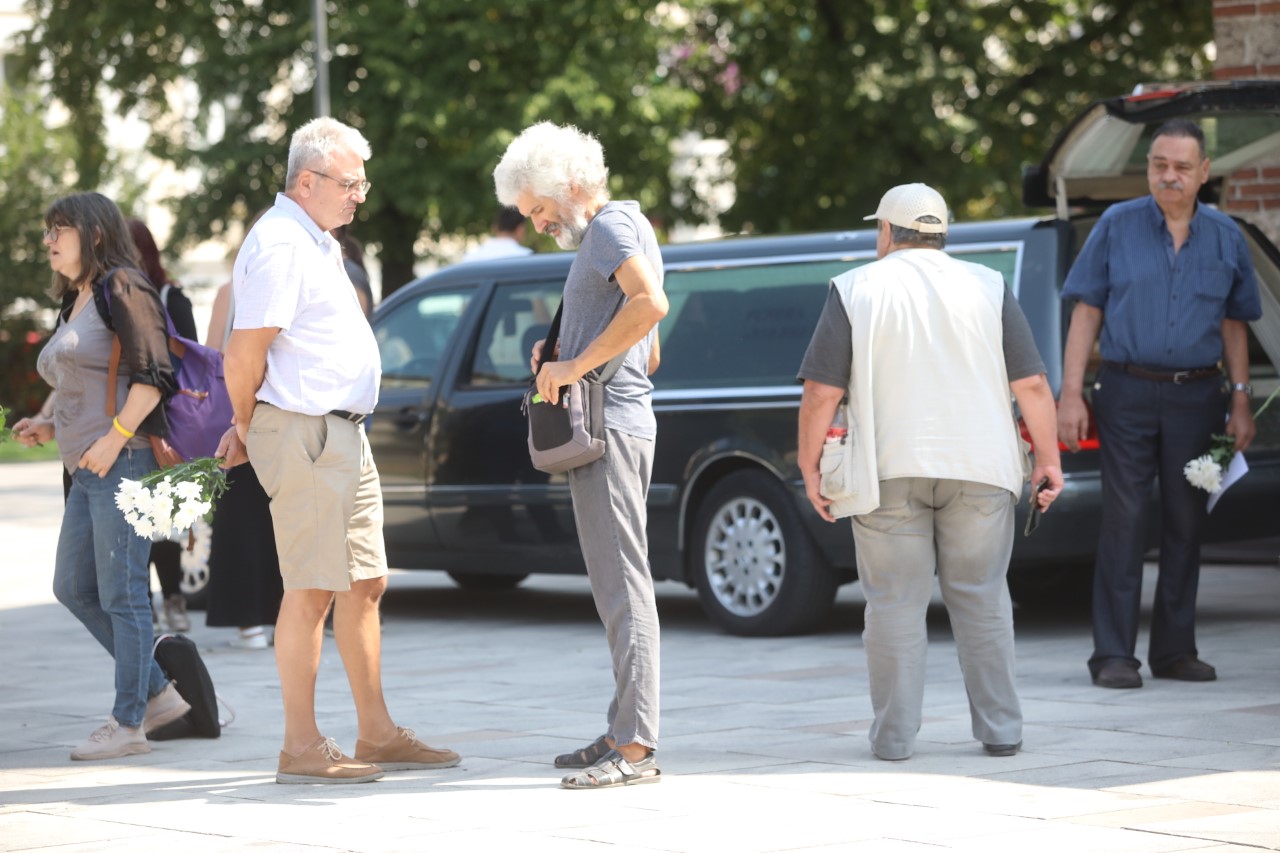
(289, 275)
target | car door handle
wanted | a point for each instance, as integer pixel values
(408, 418)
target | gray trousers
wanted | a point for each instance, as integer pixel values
(609, 508)
(963, 530)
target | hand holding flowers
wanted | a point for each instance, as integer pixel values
(170, 500)
(1205, 472)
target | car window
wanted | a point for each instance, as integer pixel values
(750, 325)
(1231, 141)
(1003, 259)
(413, 337)
(742, 326)
(517, 317)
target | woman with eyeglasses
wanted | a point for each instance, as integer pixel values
(101, 571)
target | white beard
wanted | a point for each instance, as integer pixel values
(570, 233)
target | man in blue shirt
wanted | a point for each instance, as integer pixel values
(1169, 284)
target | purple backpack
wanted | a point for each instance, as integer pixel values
(200, 411)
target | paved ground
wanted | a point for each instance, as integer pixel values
(764, 741)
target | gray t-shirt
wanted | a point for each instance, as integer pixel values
(829, 359)
(591, 298)
(74, 362)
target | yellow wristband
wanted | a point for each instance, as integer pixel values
(115, 422)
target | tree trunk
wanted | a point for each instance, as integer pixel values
(396, 234)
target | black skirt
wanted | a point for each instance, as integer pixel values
(244, 573)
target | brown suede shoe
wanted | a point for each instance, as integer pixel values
(405, 752)
(323, 763)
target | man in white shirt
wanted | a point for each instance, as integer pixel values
(506, 242)
(926, 349)
(303, 369)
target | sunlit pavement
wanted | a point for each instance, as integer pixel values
(763, 741)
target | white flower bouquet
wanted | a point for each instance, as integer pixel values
(1206, 472)
(166, 502)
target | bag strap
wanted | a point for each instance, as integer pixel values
(603, 373)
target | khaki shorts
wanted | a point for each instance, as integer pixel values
(326, 500)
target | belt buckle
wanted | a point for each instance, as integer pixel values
(1182, 376)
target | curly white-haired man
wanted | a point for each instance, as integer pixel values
(613, 300)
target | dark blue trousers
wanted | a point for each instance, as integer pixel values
(1147, 430)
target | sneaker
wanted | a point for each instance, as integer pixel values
(250, 638)
(111, 741)
(175, 613)
(323, 763)
(163, 708)
(406, 752)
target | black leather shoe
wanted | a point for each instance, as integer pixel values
(1119, 675)
(1189, 668)
(1002, 750)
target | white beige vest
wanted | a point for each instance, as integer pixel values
(928, 394)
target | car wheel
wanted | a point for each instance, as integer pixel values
(195, 566)
(1060, 586)
(483, 581)
(757, 571)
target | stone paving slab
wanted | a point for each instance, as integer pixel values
(763, 741)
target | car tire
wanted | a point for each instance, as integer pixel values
(757, 570)
(485, 581)
(1057, 586)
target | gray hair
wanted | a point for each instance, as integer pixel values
(551, 161)
(314, 144)
(909, 236)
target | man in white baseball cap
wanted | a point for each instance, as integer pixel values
(932, 465)
(915, 206)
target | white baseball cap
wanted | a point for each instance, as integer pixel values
(907, 204)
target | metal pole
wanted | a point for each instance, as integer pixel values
(321, 20)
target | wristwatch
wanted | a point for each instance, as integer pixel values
(1243, 386)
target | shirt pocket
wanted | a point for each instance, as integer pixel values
(1212, 281)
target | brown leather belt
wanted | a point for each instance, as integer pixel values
(1177, 377)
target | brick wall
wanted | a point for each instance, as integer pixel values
(1247, 35)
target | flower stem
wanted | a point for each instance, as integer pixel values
(1263, 407)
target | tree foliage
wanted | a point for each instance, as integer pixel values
(35, 167)
(826, 104)
(438, 87)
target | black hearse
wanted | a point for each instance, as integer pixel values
(727, 508)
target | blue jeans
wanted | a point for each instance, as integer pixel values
(102, 574)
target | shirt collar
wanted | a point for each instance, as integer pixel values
(294, 210)
(1157, 216)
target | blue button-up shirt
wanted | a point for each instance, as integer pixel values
(1164, 310)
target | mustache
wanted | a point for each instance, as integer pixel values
(1170, 185)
